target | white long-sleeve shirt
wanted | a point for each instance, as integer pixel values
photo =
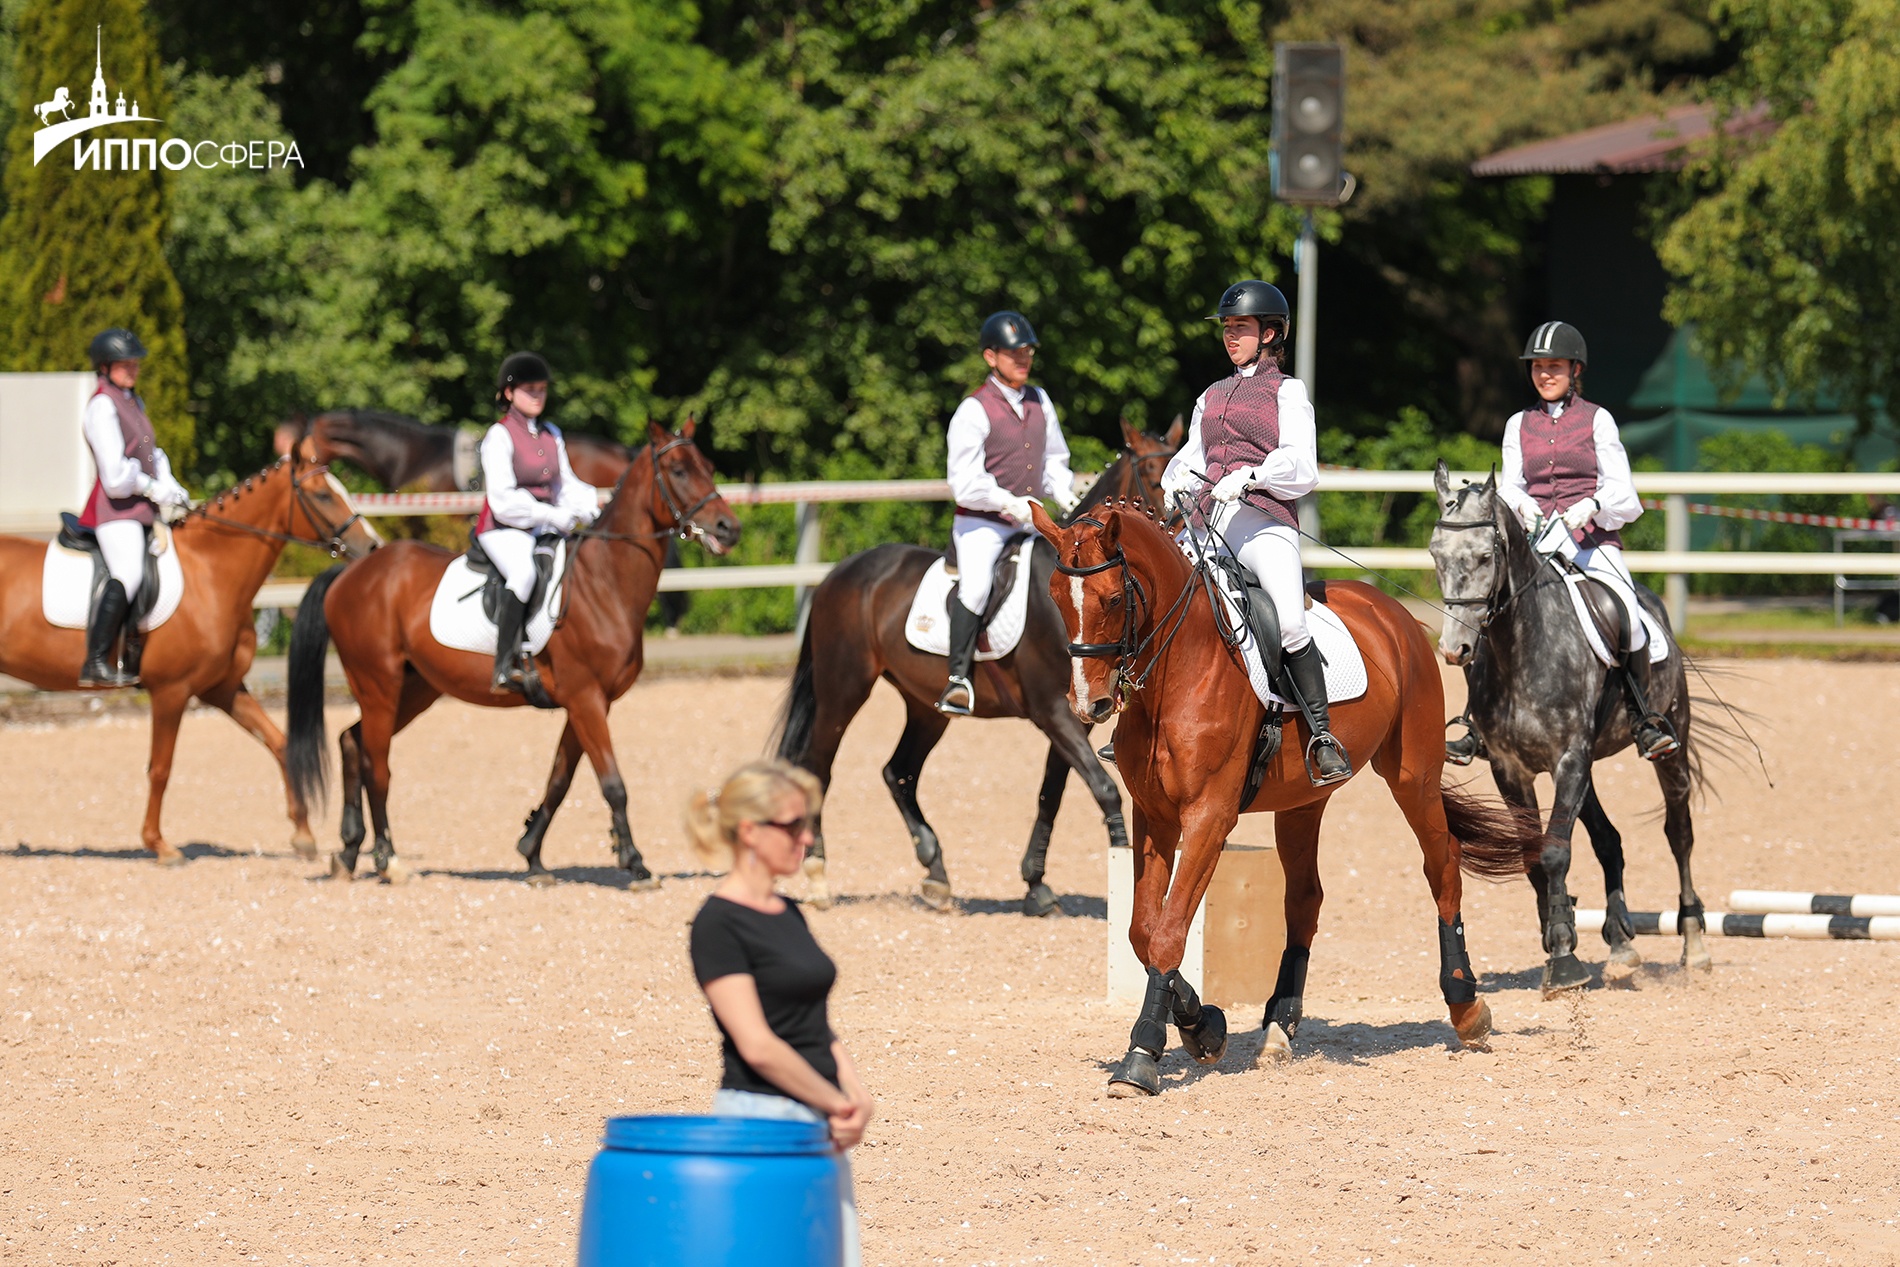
(1617, 502)
(513, 506)
(119, 475)
(971, 483)
(1290, 472)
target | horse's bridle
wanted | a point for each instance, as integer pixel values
(683, 526)
(1129, 648)
(1489, 598)
(304, 500)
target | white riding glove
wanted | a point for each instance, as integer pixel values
(1232, 485)
(1017, 508)
(1176, 482)
(1577, 517)
(167, 491)
(1532, 517)
(1067, 500)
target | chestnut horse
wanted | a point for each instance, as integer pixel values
(226, 548)
(1147, 643)
(378, 614)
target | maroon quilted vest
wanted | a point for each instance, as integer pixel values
(1240, 425)
(1560, 462)
(1014, 451)
(141, 445)
(537, 463)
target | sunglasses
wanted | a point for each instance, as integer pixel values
(793, 827)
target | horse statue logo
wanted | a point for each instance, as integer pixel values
(62, 101)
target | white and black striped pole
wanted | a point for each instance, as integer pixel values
(1729, 924)
(1779, 902)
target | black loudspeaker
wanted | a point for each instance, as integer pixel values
(1309, 122)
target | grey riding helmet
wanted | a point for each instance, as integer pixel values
(1007, 329)
(1253, 298)
(1556, 341)
(116, 344)
(521, 367)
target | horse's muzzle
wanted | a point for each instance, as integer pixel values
(1457, 657)
(1100, 710)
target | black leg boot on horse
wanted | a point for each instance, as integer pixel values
(1203, 1032)
(1655, 739)
(1326, 760)
(959, 696)
(108, 617)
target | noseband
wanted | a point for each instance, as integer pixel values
(682, 519)
(1126, 650)
(1487, 599)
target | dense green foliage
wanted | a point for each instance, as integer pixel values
(84, 250)
(1788, 263)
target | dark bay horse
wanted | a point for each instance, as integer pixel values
(855, 634)
(226, 549)
(378, 614)
(1149, 645)
(1545, 704)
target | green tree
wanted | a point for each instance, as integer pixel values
(82, 250)
(1787, 262)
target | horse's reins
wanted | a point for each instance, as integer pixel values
(335, 544)
(683, 525)
(1130, 647)
(1493, 608)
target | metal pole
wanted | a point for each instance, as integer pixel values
(1676, 539)
(808, 551)
(1305, 341)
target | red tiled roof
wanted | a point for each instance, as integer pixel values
(1649, 143)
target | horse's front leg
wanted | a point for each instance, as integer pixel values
(168, 709)
(1618, 931)
(567, 756)
(1164, 908)
(588, 716)
(1563, 971)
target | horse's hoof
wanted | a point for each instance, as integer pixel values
(1275, 1047)
(1207, 1041)
(1475, 1028)
(541, 879)
(817, 890)
(339, 869)
(1137, 1074)
(396, 872)
(936, 894)
(1622, 964)
(166, 856)
(305, 846)
(1040, 900)
(643, 883)
(1701, 961)
(1564, 974)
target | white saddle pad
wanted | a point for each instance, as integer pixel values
(456, 618)
(66, 584)
(928, 626)
(1658, 639)
(1345, 667)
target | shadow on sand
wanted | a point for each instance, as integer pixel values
(196, 850)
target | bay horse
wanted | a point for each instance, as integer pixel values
(226, 550)
(1147, 644)
(854, 634)
(1544, 704)
(378, 614)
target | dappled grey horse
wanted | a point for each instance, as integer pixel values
(1544, 703)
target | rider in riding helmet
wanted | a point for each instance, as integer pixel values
(1253, 434)
(531, 493)
(1565, 474)
(134, 481)
(1005, 447)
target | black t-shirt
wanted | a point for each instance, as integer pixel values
(792, 974)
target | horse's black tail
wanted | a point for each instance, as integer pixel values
(800, 711)
(306, 753)
(1500, 841)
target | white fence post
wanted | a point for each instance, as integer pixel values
(808, 552)
(1676, 541)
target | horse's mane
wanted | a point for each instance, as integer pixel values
(235, 492)
(387, 420)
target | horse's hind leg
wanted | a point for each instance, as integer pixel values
(237, 703)
(1617, 929)
(841, 682)
(922, 730)
(379, 728)
(1296, 838)
(355, 772)
(1674, 775)
(567, 758)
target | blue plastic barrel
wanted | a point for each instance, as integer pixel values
(712, 1190)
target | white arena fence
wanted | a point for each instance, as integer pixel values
(1677, 562)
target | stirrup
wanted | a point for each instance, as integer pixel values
(1107, 752)
(1468, 747)
(1669, 745)
(1325, 740)
(946, 706)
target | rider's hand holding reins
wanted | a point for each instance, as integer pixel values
(1577, 517)
(1233, 485)
(1018, 509)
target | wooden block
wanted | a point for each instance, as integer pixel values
(1234, 944)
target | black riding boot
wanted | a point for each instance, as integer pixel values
(1655, 739)
(1465, 748)
(108, 614)
(1326, 760)
(959, 696)
(510, 615)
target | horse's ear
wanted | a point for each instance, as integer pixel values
(1175, 430)
(1130, 433)
(307, 449)
(689, 426)
(1491, 481)
(1111, 533)
(656, 434)
(1039, 520)
(1441, 480)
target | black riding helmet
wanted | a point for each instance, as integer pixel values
(1007, 329)
(521, 367)
(1556, 341)
(1254, 298)
(116, 344)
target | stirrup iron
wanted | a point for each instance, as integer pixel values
(951, 709)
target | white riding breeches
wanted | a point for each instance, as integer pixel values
(979, 545)
(1605, 563)
(122, 544)
(511, 550)
(1270, 551)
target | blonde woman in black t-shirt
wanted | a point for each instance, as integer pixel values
(763, 973)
